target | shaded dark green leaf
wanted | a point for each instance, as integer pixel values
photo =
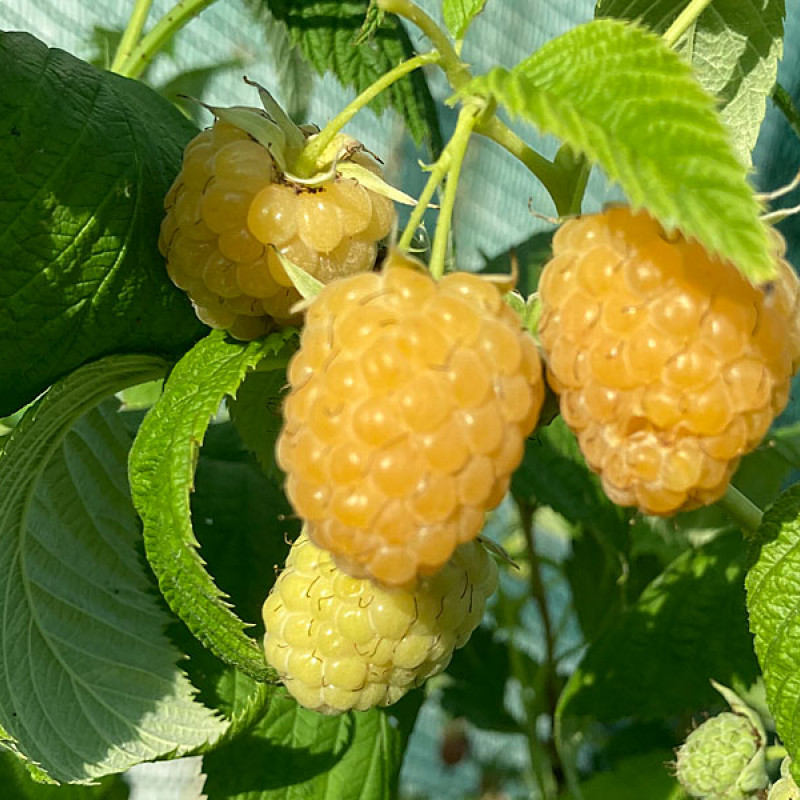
(656, 659)
(86, 158)
(554, 473)
(17, 784)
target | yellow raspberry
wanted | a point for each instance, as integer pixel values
(229, 211)
(341, 643)
(669, 364)
(410, 402)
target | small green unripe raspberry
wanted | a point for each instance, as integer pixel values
(341, 643)
(785, 788)
(723, 759)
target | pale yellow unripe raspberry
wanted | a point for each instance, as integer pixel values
(341, 643)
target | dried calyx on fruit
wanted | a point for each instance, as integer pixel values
(724, 758)
(409, 407)
(236, 210)
(669, 364)
(341, 643)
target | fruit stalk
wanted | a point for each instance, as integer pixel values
(306, 163)
(554, 179)
(457, 147)
(133, 31)
(746, 514)
(545, 757)
(178, 16)
(685, 20)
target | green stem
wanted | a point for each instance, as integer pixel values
(784, 102)
(178, 16)
(746, 514)
(456, 70)
(544, 754)
(456, 148)
(685, 20)
(434, 179)
(518, 670)
(132, 33)
(775, 752)
(307, 161)
(551, 177)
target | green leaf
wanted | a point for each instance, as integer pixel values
(162, 465)
(786, 442)
(773, 600)
(478, 676)
(597, 580)
(326, 30)
(18, 785)
(554, 473)
(634, 778)
(620, 96)
(88, 680)
(656, 659)
(458, 14)
(353, 756)
(734, 47)
(86, 158)
(256, 413)
(243, 521)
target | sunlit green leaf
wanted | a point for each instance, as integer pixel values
(617, 94)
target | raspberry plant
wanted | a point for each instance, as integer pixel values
(548, 499)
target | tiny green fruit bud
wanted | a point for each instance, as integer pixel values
(723, 759)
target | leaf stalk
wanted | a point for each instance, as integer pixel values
(457, 71)
(554, 179)
(685, 20)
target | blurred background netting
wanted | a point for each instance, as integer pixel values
(207, 60)
(226, 41)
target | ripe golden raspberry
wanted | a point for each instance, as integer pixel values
(341, 643)
(669, 364)
(229, 211)
(410, 402)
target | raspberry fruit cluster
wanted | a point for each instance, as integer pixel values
(340, 643)
(410, 402)
(669, 364)
(230, 211)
